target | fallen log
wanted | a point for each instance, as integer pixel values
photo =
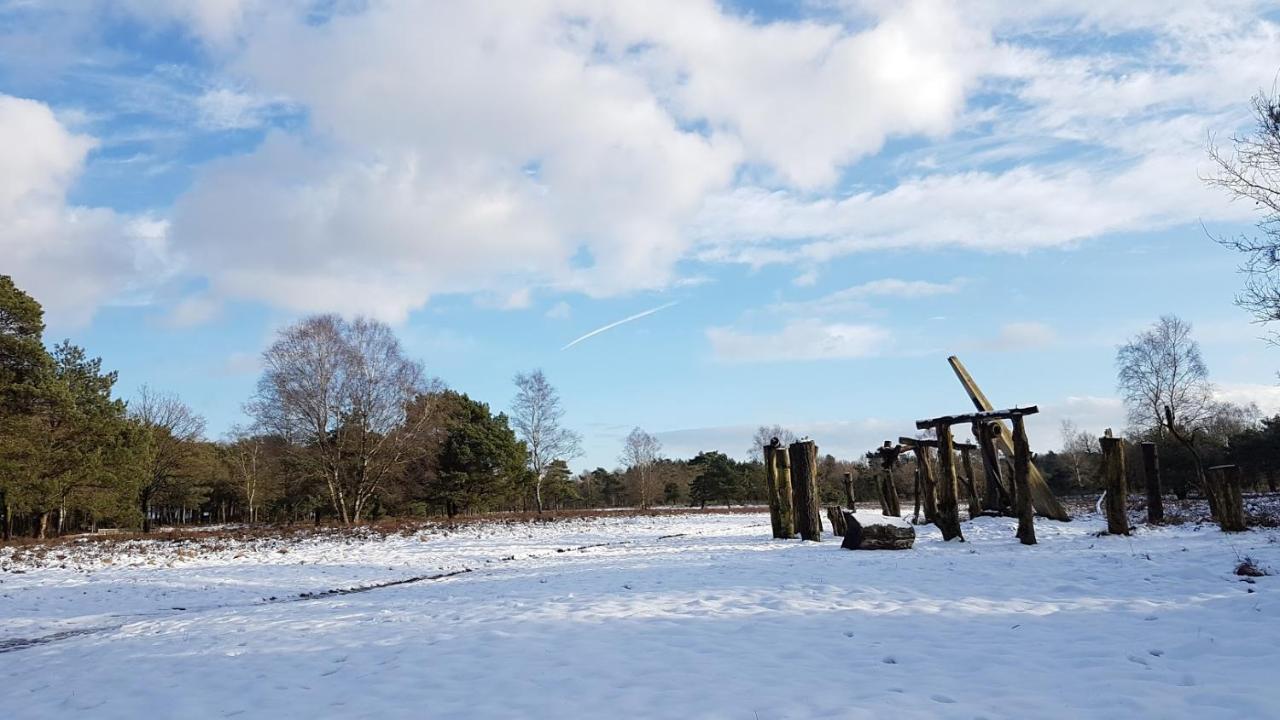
(870, 531)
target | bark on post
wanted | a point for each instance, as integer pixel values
(1155, 498)
(889, 491)
(928, 485)
(994, 498)
(771, 486)
(1226, 481)
(1113, 478)
(970, 482)
(1022, 481)
(915, 494)
(786, 508)
(836, 515)
(848, 492)
(804, 480)
(947, 516)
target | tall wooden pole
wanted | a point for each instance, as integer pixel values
(786, 508)
(928, 485)
(947, 516)
(804, 477)
(889, 491)
(1155, 497)
(1226, 485)
(848, 491)
(1113, 477)
(771, 485)
(970, 482)
(993, 499)
(1022, 481)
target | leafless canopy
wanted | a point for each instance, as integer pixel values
(1249, 169)
(764, 434)
(536, 417)
(1162, 367)
(639, 452)
(342, 391)
(171, 428)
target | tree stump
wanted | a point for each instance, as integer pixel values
(889, 491)
(1226, 486)
(836, 515)
(786, 507)
(1113, 478)
(868, 531)
(771, 487)
(947, 511)
(1155, 497)
(804, 485)
(848, 491)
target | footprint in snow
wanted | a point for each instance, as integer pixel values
(1155, 653)
(889, 661)
(941, 699)
(1138, 660)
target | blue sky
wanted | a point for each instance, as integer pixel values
(826, 199)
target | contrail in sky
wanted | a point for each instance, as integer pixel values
(613, 325)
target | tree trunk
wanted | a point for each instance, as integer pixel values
(6, 517)
(771, 486)
(836, 515)
(1022, 481)
(928, 485)
(1226, 486)
(889, 492)
(947, 516)
(146, 512)
(1113, 477)
(42, 526)
(786, 495)
(971, 484)
(995, 498)
(915, 494)
(804, 480)
(1151, 468)
(848, 491)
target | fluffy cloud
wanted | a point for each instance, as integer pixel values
(71, 258)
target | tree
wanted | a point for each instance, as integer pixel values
(170, 430)
(536, 415)
(23, 363)
(764, 434)
(1165, 386)
(341, 391)
(1079, 452)
(718, 478)
(478, 456)
(250, 459)
(1250, 170)
(639, 452)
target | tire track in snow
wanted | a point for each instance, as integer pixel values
(16, 644)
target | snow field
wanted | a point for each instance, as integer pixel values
(680, 616)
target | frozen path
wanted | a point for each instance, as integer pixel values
(719, 622)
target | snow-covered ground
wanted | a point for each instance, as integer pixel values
(680, 616)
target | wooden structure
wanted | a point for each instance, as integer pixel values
(848, 491)
(804, 489)
(1225, 483)
(1023, 496)
(969, 482)
(866, 531)
(1114, 480)
(1151, 470)
(887, 457)
(927, 485)
(777, 475)
(1042, 497)
(835, 514)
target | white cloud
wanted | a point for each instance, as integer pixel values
(227, 109)
(559, 311)
(1022, 336)
(72, 259)
(799, 340)
(1266, 397)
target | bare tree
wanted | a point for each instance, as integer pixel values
(536, 415)
(639, 452)
(1166, 386)
(170, 430)
(247, 455)
(1079, 448)
(764, 434)
(1250, 170)
(341, 391)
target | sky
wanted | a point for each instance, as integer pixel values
(786, 213)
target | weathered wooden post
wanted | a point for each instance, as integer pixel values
(804, 485)
(1022, 481)
(835, 514)
(1045, 502)
(995, 499)
(887, 457)
(928, 487)
(1113, 478)
(1226, 482)
(970, 483)
(771, 486)
(848, 492)
(786, 506)
(948, 519)
(1155, 497)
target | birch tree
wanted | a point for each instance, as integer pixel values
(536, 416)
(639, 453)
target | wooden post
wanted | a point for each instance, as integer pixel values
(928, 486)
(1022, 481)
(771, 483)
(1155, 498)
(915, 493)
(1226, 482)
(804, 481)
(970, 482)
(887, 457)
(836, 515)
(947, 511)
(994, 498)
(848, 493)
(890, 492)
(1113, 478)
(786, 506)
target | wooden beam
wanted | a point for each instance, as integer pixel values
(984, 416)
(1045, 502)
